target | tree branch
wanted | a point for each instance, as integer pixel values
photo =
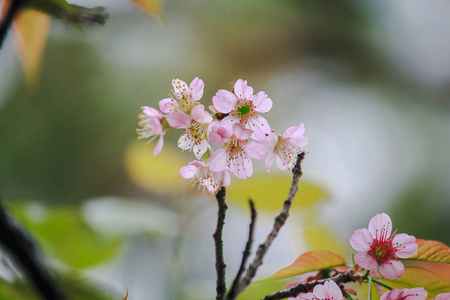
(279, 222)
(309, 286)
(26, 254)
(13, 9)
(245, 255)
(221, 287)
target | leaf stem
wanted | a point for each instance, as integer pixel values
(382, 284)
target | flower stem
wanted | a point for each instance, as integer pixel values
(382, 284)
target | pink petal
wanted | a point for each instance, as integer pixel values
(218, 160)
(333, 290)
(269, 161)
(159, 146)
(242, 90)
(198, 164)
(240, 132)
(226, 177)
(307, 296)
(168, 105)
(415, 294)
(199, 150)
(229, 121)
(262, 103)
(381, 226)
(156, 125)
(224, 101)
(218, 135)
(180, 88)
(150, 111)
(392, 269)
(393, 294)
(405, 244)
(256, 150)
(443, 296)
(320, 292)
(199, 114)
(295, 134)
(188, 171)
(270, 141)
(196, 87)
(361, 240)
(259, 126)
(179, 119)
(281, 164)
(366, 261)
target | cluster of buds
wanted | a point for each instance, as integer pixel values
(225, 140)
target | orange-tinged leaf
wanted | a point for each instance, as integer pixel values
(418, 277)
(31, 30)
(126, 296)
(152, 7)
(432, 251)
(308, 262)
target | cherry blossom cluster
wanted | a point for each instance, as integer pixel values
(225, 140)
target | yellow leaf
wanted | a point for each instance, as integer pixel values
(432, 251)
(31, 30)
(151, 7)
(417, 277)
(269, 191)
(156, 174)
(308, 262)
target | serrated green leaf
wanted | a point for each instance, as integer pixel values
(432, 251)
(308, 262)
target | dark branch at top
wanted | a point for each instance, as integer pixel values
(13, 9)
(221, 287)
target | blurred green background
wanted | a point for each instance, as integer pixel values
(370, 80)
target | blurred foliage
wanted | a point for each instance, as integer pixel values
(259, 290)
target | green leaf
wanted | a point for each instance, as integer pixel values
(418, 277)
(432, 251)
(308, 262)
(269, 191)
(63, 233)
(259, 290)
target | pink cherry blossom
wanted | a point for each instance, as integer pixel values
(443, 296)
(204, 178)
(381, 248)
(151, 123)
(405, 294)
(183, 98)
(237, 153)
(285, 148)
(195, 136)
(243, 107)
(327, 291)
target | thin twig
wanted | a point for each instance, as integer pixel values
(245, 255)
(279, 222)
(13, 9)
(309, 286)
(221, 287)
(26, 254)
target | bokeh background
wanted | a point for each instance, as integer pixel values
(370, 81)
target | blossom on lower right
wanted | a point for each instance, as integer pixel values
(381, 248)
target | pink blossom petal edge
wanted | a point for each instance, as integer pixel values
(260, 127)
(366, 261)
(361, 240)
(159, 145)
(380, 226)
(405, 294)
(179, 119)
(167, 105)
(240, 132)
(242, 90)
(199, 114)
(295, 134)
(256, 150)
(392, 269)
(224, 101)
(197, 85)
(218, 160)
(262, 102)
(443, 296)
(406, 245)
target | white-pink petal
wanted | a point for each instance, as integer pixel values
(168, 105)
(224, 101)
(218, 160)
(151, 112)
(229, 121)
(269, 161)
(295, 134)
(242, 90)
(392, 269)
(199, 114)
(405, 294)
(443, 296)
(405, 245)
(366, 261)
(381, 226)
(262, 102)
(180, 87)
(159, 145)
(188, 171)
(179, 119)
(240, 132)
(361, 240)
(197, 85)
(256, 150)
(259, 126)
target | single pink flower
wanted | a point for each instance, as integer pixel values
(204, 178)
(243, 107)
(237, 153)
(327, 291)
(195, 136)
(285, 148)
(381, 248)
(151, 123)
(183, 98)
(443, 296)
(405, 294)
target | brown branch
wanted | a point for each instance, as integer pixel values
(221, 287)
(309, 286)
(14, 7)
(279, 222)
(247, 251)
